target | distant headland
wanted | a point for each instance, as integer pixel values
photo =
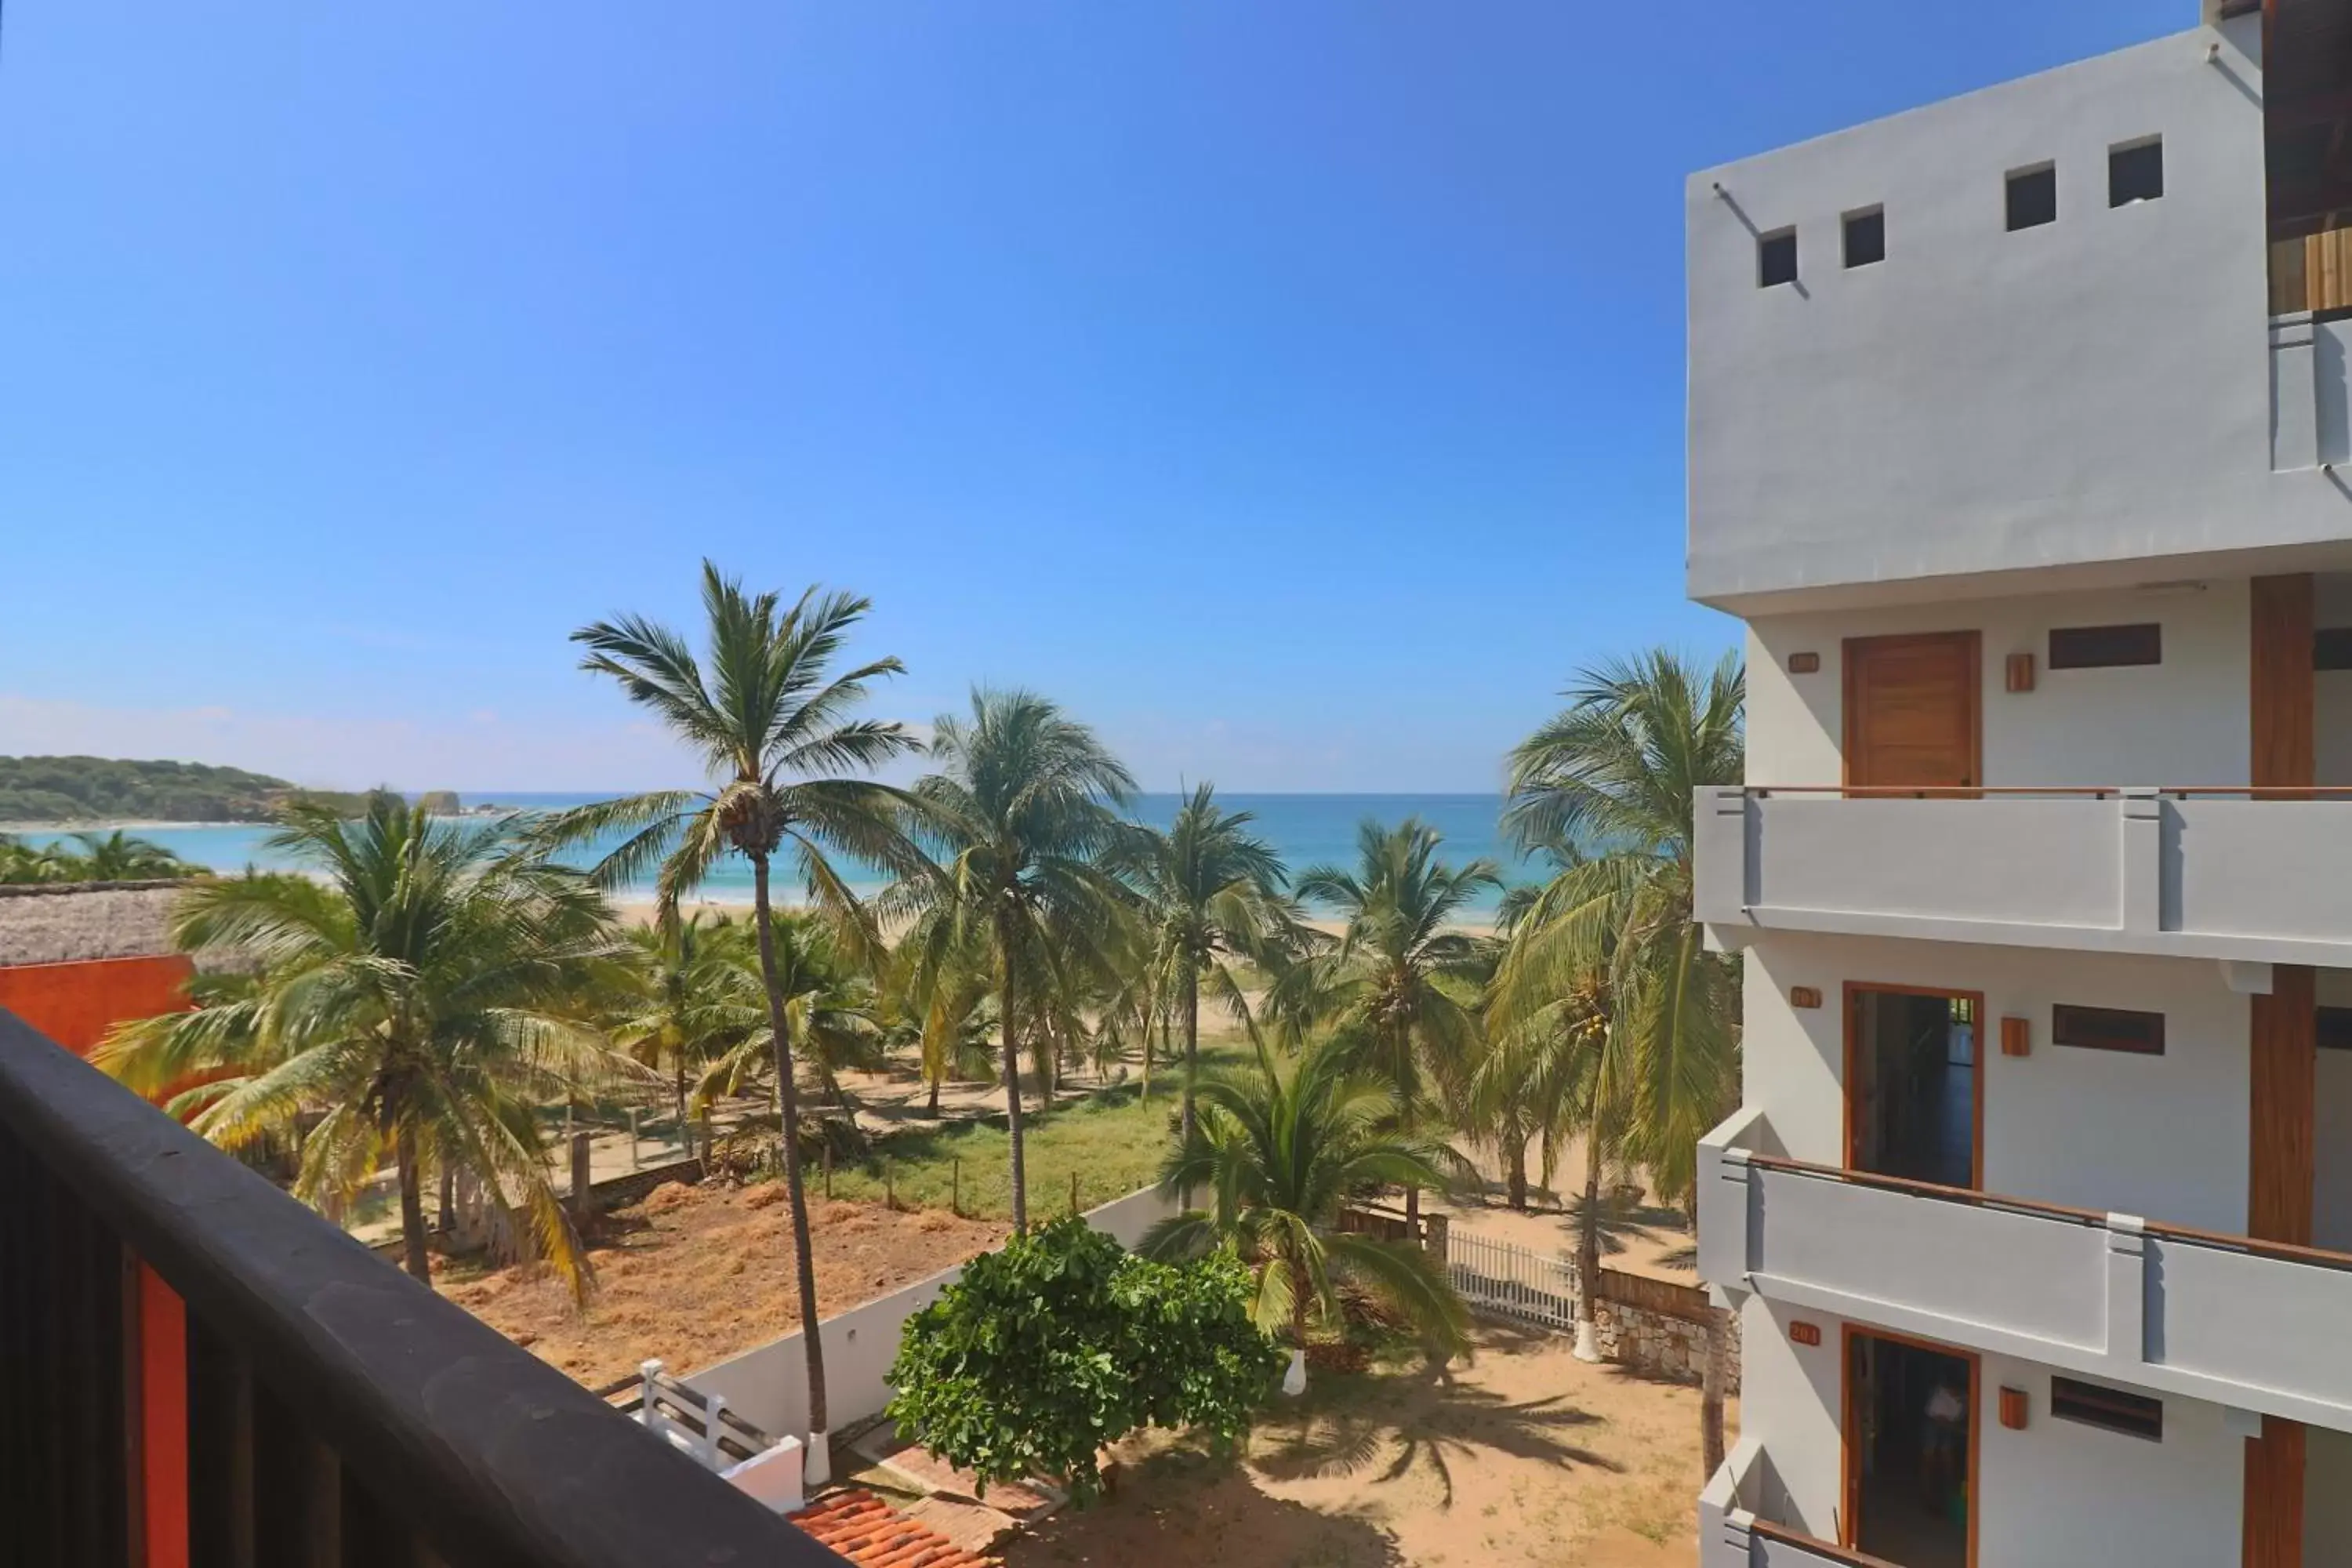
(76, 791)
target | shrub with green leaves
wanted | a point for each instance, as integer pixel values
(1044, 1354)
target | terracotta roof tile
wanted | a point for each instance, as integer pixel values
(871, 1534)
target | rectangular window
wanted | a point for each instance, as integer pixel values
(1776, 259)
(2094, 1404)
(2032, 196)
(2107, 1029)
(2105, 647)
(2335, 1028)
(2135, 172)
(1865, 237)
(2331, 648)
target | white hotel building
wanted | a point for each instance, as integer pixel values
(2020, 436)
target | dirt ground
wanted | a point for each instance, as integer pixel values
(696, 1274)
(1524, 1455)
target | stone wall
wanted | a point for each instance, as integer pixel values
(1661, 1343)
(1657, 1327)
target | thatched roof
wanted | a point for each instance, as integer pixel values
(43, 923)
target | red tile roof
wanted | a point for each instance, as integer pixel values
(871, 1534)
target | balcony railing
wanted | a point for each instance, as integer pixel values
(201, 1369)
(2253, 875)
(1732, 1532)
(2253, 1325)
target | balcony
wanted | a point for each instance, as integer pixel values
(1734, 1531)
(202, 1370)
(2255, 1326)
(2247, 876)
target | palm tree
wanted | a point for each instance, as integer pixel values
(1555, 1066)
(1133, 1007)
(1386, 983)
(945, 1012)
(110, 858)
(118, 857)
(1281, 1147)
(23, 862)
(1212, 891)
(1619, 770)
(830, 1008)
(772, 724)
(412, 995)
(1021, 812)
(689, 997)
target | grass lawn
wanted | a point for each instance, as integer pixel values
(1113, 1142)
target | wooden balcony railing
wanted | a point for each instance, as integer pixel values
(2312, 272)
(200, 1371)
(1824, 1550)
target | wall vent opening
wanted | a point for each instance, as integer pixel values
(2105, 648)
(2094, 1404)
(2107, 1029)
(2032, 196)
(1865, 237)
(2135, 172)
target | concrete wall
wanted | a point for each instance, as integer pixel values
(1789, 1402)
(2097, 392)
(2184, 720)
(769, 1386)
(2055, 1495)
(2164, 1137)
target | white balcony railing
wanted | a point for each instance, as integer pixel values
(2254, 877)
(2256, 1326)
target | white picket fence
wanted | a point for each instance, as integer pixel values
(1515, 1281)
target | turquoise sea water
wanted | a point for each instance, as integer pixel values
(1304, 829)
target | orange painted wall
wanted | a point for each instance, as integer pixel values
(76, 1004)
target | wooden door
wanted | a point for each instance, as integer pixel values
(1857, 1428)
(1913, 714)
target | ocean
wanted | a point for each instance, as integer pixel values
(1304, 830)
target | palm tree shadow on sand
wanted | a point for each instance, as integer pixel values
(1619, 1221)
(1398, 1423)
(1187, 1504)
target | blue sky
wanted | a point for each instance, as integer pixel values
(1294, 389)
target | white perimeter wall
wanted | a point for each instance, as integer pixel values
(2162, 1137)
(2183, 721)
(769, 1386)
(2055, 1495)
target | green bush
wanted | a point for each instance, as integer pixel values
(1043, 1354)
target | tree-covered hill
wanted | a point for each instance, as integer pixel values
(104, 789)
